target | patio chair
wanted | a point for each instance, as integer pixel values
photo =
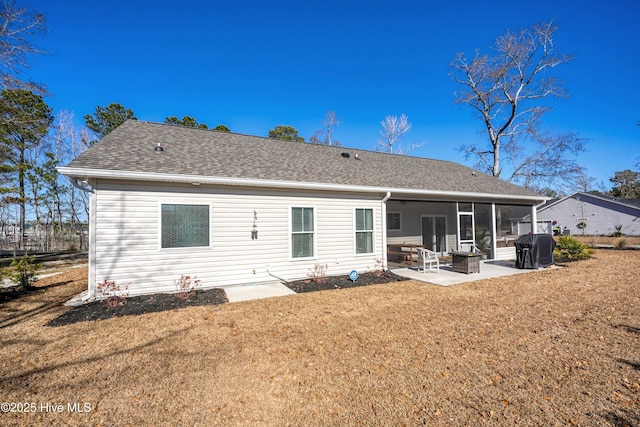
(425, 256)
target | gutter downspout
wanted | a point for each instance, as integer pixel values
(383, 206)
(534, 216)
(91, 288)
(80, 187)
(93, 204)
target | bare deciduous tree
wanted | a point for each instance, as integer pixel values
(69, 143)
(586, 183)
(18, 25)
(508, 91)
(324, 136)
(393, 129)
(60, 208)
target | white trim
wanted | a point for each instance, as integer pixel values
(187, 202)
(494, 232)
(383, 222)
(315, 233)
(198, 179)
(93, 205)
(472, 214)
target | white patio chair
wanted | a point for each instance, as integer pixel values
(425, 256)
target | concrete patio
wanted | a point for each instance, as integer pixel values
(446, 276)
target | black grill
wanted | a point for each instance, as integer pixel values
(534, 251)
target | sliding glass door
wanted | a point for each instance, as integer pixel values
(434, 233)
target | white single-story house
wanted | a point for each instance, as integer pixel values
(229, 209)
(588, 214)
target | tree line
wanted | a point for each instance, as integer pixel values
(508, 91)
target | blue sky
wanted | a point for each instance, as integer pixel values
(253, 65)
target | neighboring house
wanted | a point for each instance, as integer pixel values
(168, 201)
(589, 214)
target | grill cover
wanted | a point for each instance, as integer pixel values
(534, 250)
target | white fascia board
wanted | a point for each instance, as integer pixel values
(248, 182)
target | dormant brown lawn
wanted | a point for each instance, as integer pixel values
(555, 347)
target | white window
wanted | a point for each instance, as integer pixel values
(184, 226)
(364, 231)
(393, 221)
(302, 232)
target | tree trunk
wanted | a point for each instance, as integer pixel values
(23, 215)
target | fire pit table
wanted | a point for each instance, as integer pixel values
(466, 262)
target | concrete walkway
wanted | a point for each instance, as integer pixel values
(256, 291)
(446, 276)
(234, 293)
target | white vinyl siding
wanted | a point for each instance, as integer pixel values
(128, 237)
(302, 232)
(364, 231)
(184, 226)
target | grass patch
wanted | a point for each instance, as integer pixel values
(552, 347)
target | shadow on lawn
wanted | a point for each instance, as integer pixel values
(16, 381)
(16, 292)
(626, 418)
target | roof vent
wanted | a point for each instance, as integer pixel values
(158, 148)
(346, 155)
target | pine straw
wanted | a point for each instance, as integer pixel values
(608, 240)
(556, 347)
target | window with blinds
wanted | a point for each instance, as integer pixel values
(184, 226)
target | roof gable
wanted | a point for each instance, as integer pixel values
(205, 153)
(598, 199)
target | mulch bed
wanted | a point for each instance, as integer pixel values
(341, 282)
(132, 306)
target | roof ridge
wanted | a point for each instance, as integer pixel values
(306, 143)
(131, 149)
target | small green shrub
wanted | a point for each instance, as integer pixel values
(24, 271)
(621, 243)
(568, 248)
(618, 232)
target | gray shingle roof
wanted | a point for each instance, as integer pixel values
(629, 203)
(130, 148)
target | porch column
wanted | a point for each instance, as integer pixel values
(494, 233)
(383, 212)
(534, 219)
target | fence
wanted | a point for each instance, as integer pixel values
(42, 238)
